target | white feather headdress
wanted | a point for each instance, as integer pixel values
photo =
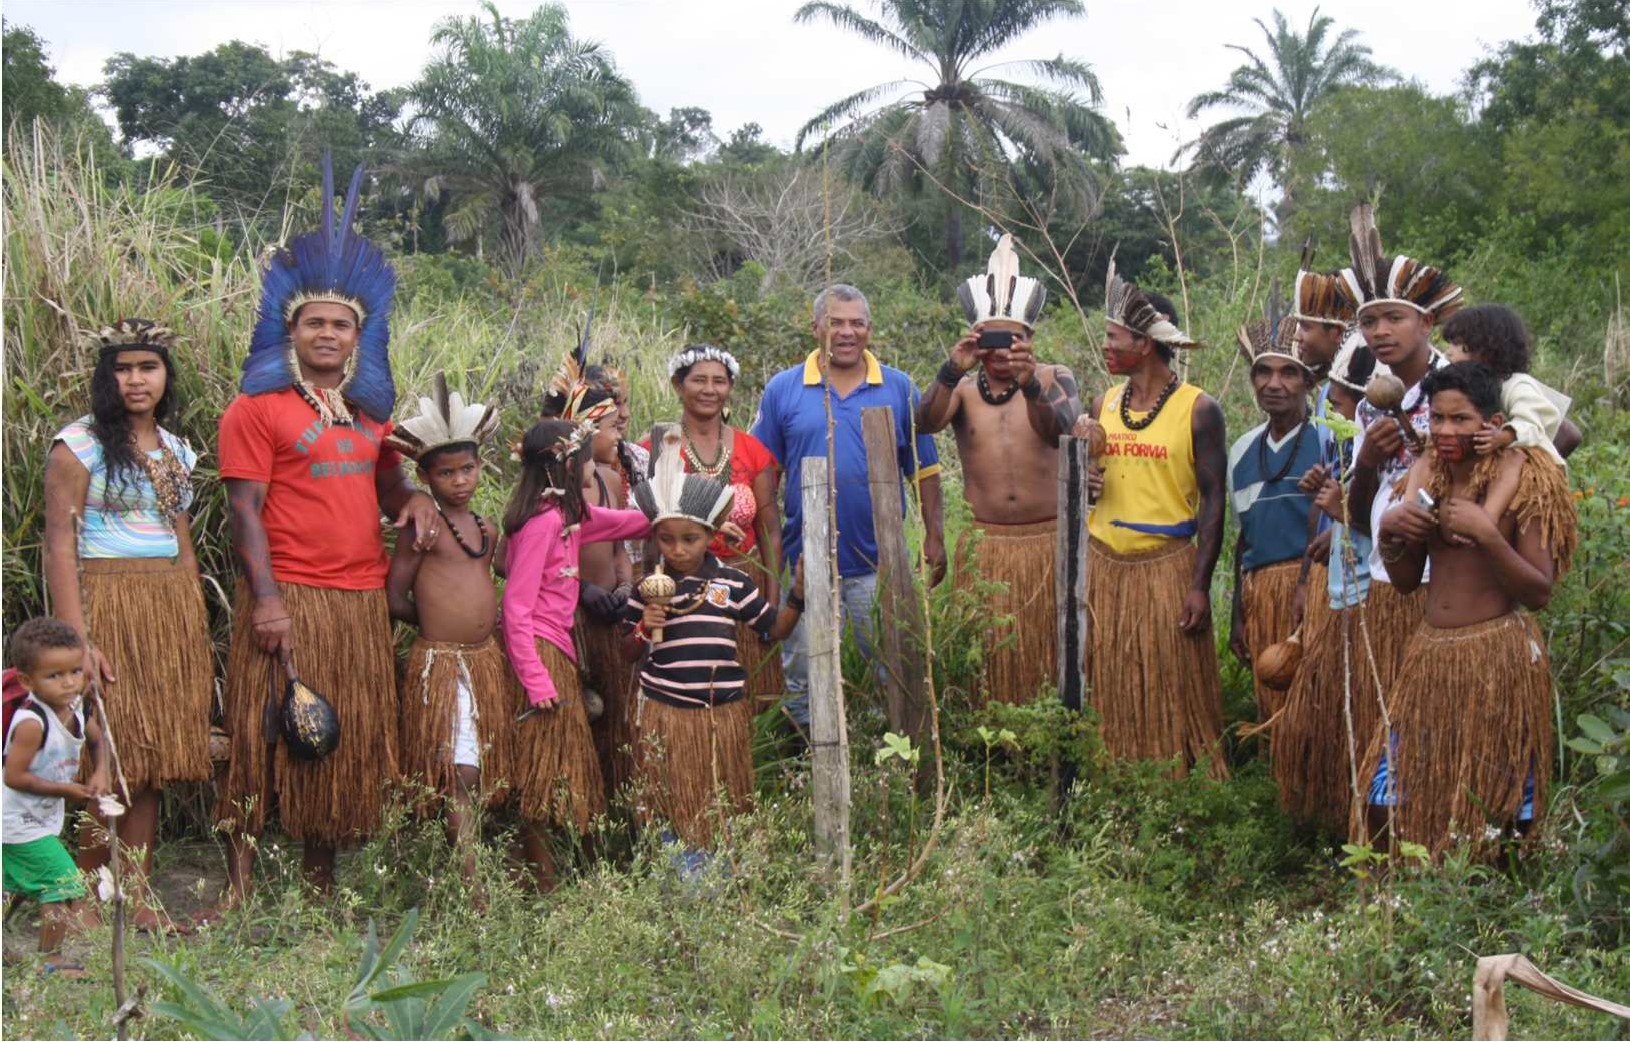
(1127, 307)
(1002, 293)
(669, 492)
(444, 419)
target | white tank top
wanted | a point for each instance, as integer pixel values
(27, 817)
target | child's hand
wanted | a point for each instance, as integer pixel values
(1492, 439)
(1313, 481)
(1329, 500)
(100, 783)
(77, 791)
(733, 535)
(655, 616)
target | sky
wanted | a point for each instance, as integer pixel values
(747, 61)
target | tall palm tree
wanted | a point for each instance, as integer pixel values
(1278, 90)
(512, 113)
(972, 132)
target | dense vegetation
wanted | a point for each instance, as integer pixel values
(520, 180)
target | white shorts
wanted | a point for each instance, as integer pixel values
(466, 741)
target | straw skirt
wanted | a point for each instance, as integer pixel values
(557, 778)
(695, 767)
(431, 678)
(1021, 645)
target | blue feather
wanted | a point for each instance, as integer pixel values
(333, 259)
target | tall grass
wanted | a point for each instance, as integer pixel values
(83, 251)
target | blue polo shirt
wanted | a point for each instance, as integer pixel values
(791, 423)
(1273, 513)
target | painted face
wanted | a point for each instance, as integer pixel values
(325, 337)
(1124, 350)
(141, 379)
(1317, 342)
(705, 390)
(850, 328)
(683, 544)
(998, 361)
(1454, 421)
(1280, 385)
(58, 676)
(452, 476)
(1395, 332)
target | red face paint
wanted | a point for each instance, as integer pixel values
(1119, 362)
(1452, 448)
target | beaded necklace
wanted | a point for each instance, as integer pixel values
(480, 526)
(720, 464)
(1160, 403)
(1262, 454)
(169, 479)
(995, 399)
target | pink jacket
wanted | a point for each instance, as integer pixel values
(540, 593)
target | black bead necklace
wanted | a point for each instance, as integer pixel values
(995, 399)
(1262, 454)
(480, 526)
(1126, 410)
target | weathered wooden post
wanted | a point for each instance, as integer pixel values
(900, 611)
(828, 730)
(1070, 573)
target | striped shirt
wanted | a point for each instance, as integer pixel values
(124, 521)
(696, 663)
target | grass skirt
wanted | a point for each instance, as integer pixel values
(1155, 688)
(343, 651)
(600, 649)
(1312, 751)
(695, 766)
(766, 685)
(1471, 710)
(147, 616)
(430, 681)
(1267, 595)
(557, 777)
(1391, 619)
(1021, 645)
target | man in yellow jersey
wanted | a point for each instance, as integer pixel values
(1160, 483)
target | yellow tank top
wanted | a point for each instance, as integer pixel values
(1150, 491)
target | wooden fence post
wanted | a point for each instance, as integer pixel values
(1070, 573)
(900, 612)
(828, 730)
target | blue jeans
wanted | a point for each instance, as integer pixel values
(859, 617)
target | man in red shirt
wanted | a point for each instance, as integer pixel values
(308, 475)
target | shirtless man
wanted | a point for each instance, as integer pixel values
(1470, 751)
(1007, 418)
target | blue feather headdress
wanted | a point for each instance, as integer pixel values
(333, 265)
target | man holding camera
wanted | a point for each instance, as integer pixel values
(1008, 411)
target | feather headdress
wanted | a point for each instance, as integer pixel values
(444, 419)
(1127, 307)
(1376, 278)
(1355, 364)
(1002, 293)
(1271, 336)
(1320, 297)
(704, 353)
(572, 395)
(331, 265)
(132, 334)
(669, 492)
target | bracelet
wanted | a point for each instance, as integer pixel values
(949, 374)
(795, 602)
(1031, 390)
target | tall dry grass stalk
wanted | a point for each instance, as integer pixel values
(82, 251)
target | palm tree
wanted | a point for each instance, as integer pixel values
(1278, 92)
(974, 133)
(514, 114)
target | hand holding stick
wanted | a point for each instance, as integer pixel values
(657, 588)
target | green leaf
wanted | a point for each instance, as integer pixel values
(1596, 728)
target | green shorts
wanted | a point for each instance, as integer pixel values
(42, 869)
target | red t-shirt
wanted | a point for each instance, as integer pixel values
(748, 458)
(322, 507)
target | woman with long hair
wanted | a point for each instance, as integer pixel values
(703, 377)
(120, 568)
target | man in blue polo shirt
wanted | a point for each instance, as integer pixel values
(792, 425)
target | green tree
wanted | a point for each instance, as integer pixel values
(972, 132)
(29, 90)
(251, 128)
(1278, 91)
(516, 116)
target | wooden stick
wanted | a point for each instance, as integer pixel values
(1070, 575)
(829, 736)
(901, 643)
(1489, 1017)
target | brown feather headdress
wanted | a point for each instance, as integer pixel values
(1321, 297)
(1271, 336)
(1127, 307)
(1376, 278)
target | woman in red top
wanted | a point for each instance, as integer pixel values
(703, 376)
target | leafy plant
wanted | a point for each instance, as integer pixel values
(404, 1009)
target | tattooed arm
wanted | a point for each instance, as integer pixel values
(1210, 468)
(941, 402)
(1053, 410)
